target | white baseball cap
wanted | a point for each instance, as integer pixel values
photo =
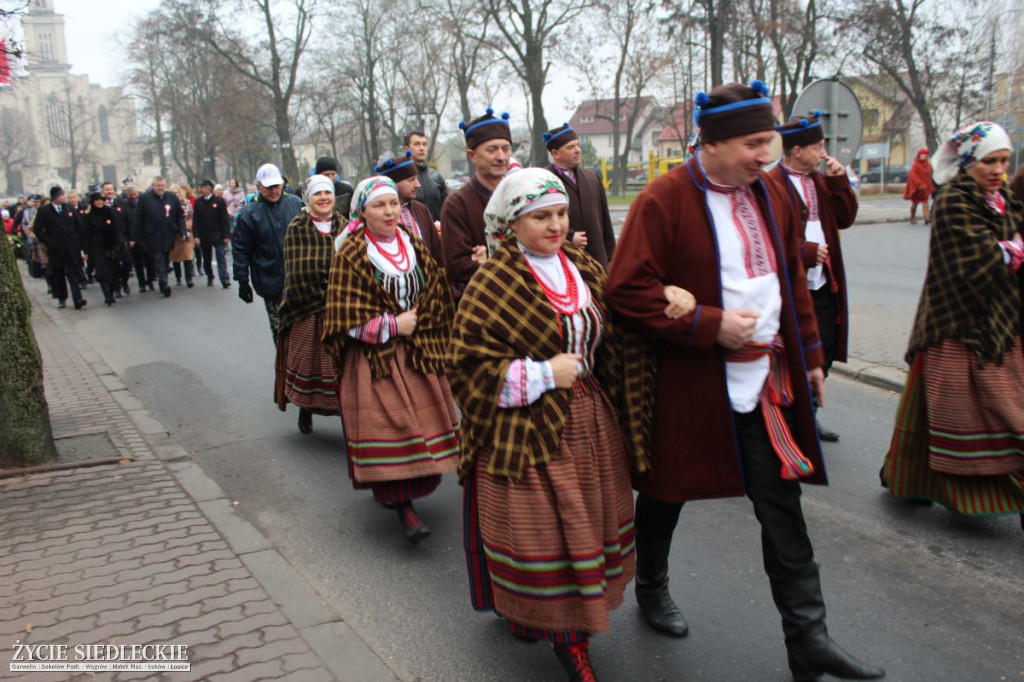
(268, 175)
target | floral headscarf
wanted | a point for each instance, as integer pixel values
(366, 191)
(967, 146)
(518, 193)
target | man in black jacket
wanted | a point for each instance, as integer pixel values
(329, 167)
(117, 208)
(433, 189)
(257, 247)
(55, 228)
(140, 254)
(590, 223)
(212, 228)
(159, 218)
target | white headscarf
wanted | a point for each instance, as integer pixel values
(314, 184)
(968, 145)
(518, 193)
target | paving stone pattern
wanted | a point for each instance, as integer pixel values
(121, 554)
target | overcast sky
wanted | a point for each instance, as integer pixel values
(92, 27)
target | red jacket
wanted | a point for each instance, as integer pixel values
(837, 209)
(668, 238)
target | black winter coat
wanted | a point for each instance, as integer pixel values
(433, 190)
(103, 242)
(158, 220)
(257, 248)
(210, 220)
(59, 234)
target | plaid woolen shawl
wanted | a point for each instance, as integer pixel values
(355, 296)
(307, 261)
(503, 316)
(969, 294)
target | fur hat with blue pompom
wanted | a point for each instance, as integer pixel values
(732, 110)
(486, 127)
(801, 131)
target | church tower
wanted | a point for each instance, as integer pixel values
(45, 47)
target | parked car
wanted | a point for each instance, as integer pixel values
(893, 174)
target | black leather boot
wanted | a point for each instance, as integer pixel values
(305, 420)
(811, 651)
(652, 550)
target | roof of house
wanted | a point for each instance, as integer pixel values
(593, 117)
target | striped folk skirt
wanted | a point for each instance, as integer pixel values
(399, 429)
(959, 436)
(305, 375)
(553, 553)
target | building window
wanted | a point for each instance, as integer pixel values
(56, 122)
(147, 157)
(586, 119)
(871, 118)
(611, 141)
(46, 49)
(104, 124)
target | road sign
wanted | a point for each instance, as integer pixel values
(841, 119)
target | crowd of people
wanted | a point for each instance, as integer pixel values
(106, 237)
(502, 333)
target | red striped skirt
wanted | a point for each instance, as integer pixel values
(306, 376)
(398, 428)
(554, 551)
(959, 435)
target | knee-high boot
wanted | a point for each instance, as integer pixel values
(811, 651)
(655, 523)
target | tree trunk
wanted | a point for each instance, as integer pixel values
(284, 136)
(538, 152)
(25, 435)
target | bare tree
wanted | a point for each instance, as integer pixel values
(77, 130)
(146, 54)
(469, 57)
(639, 57)
(713, 16)
(906, 41)
(17, 143)
(268, 59)
(794, 34)
(526, 29)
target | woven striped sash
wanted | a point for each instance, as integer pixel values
(777, 394)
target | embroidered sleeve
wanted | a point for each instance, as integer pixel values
(525, 381)
(377, 331)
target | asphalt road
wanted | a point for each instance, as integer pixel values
(931, 596)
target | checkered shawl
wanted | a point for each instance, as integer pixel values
(503, 316)
(969, 294)
(354, 297)
(307, 261)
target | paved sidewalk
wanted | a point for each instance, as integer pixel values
(150, 551)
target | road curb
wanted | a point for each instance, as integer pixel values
(315, 620)
(874, 374)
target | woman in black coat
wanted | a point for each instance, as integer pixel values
(104, 245)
